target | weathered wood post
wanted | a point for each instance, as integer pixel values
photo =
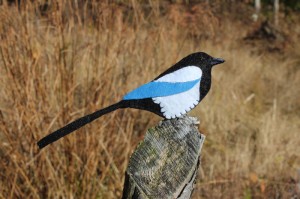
(165, 163)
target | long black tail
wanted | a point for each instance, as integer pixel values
(52, 137)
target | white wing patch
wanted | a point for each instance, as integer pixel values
(185, 74)
(179, 104)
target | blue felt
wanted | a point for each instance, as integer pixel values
(160, 89)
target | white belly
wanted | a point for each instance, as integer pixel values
(173, 106)
(179, 104)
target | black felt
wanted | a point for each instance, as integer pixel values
(199, 59)
(77, 124)
(144, 104)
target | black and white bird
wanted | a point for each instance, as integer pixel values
(170, 95)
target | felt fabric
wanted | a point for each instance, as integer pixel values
(188, 73)
(180, 103)
(173, 106)
(172, 94)
(160, 89)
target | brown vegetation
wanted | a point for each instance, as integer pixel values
(63, 60)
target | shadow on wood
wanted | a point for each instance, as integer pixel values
(165, 163)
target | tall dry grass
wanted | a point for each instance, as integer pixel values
(63, 60)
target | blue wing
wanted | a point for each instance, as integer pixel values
(160, 89)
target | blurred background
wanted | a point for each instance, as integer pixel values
(60, 60)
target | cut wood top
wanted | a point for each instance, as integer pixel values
(165, 161)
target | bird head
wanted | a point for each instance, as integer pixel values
(202, 60)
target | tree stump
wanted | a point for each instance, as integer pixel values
(165, 163)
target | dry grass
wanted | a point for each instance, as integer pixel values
(58, 65)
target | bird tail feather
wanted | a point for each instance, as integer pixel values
(69, 128)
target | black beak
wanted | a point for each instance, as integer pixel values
(216, 61)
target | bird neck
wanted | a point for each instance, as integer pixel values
(205, 83)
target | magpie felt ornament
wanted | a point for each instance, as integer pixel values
(172, 94)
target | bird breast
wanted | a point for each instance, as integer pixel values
(176, 105)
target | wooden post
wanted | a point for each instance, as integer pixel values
(165, 163)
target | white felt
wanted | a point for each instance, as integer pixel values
(179, 104)
(185, 74)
